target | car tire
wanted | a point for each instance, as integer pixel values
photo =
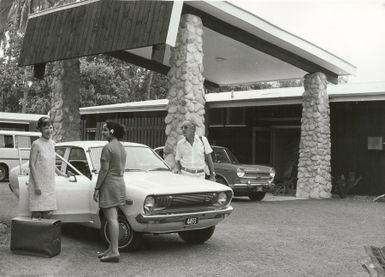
(220, 180)
(257, 196)
(3, 172)
(129, 240)
(197, 236)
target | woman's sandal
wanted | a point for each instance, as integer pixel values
(110, 259)
(102, 254)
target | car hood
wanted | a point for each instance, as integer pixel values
(160, 182)
(254, 167)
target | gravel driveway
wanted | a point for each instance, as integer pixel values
(275, 237)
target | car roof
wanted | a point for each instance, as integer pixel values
(94, 143)
(25, 133)
(216, 146)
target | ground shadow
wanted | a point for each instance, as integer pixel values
(82, 233)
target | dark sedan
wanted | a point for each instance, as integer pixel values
(245, 179)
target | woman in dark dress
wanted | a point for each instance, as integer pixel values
(110, 189)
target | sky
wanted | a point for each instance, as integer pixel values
(352, 30)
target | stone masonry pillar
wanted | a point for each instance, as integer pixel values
(186, 91)
(314, 170)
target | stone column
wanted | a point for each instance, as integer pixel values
(186, 91)
(314, 170)
(65, 101)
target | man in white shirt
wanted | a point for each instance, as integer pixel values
(192, 153)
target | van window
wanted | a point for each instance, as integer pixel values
(6, 141)
(23, 141)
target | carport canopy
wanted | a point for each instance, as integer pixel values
(239, 47)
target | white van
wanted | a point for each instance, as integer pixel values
(9, 142)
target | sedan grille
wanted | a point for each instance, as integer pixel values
(259, 176)
(185, 200)
(182, 203)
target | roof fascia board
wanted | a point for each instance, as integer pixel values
(174, 23)
(62, 7)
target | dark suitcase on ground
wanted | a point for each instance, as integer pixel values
(36, 237)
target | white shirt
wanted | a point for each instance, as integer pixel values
(192, 156)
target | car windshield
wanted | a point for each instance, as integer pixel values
(223, 155)
(232, 157)
(139, 158)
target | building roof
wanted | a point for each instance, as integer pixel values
(22, 118)
(263, 97)
(239, 47)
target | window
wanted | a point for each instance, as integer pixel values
(236, 116)
(217, 117)
(22, 141)
(6, 141)
(60, 151)
(78, 159)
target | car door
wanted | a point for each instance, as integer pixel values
(73, 194)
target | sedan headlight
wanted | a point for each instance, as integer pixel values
(272, 174)
(240, 172)
(149, 204)
(222, 198)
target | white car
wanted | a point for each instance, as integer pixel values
(158, 201)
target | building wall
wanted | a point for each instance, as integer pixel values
(141, 127)
(270, 135)
(352, 123)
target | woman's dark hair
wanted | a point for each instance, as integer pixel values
(118, 129)
(42, 122)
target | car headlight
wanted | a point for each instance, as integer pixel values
(222, 198)
(272, 174)
(149, 204)
(240, 172)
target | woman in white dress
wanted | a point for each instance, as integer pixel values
(42, 199)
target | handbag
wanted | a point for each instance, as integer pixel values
(36, 237)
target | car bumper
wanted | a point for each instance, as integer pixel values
(238, 188)
(176, 222)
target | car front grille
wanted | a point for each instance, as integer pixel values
(181, 203)
(185, 200)
(258, 176)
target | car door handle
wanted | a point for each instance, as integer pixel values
(74, 179)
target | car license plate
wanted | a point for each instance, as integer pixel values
(259, 188)
(191, 221)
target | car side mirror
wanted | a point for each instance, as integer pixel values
(70, 175)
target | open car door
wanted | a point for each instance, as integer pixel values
(73, 194)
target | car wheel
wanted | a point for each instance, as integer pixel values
(220, 180)
(197, 236)
(257, 196)
(128, 239)
(3, 172)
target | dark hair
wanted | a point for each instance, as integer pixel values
(42, 122)
(118, 128)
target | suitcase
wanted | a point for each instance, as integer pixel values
(36, 237)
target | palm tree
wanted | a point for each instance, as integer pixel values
(66, 81)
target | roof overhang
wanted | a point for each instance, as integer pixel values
(355, 92)
(239, 47)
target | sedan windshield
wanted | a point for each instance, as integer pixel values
(139, 158)
(223, 155)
